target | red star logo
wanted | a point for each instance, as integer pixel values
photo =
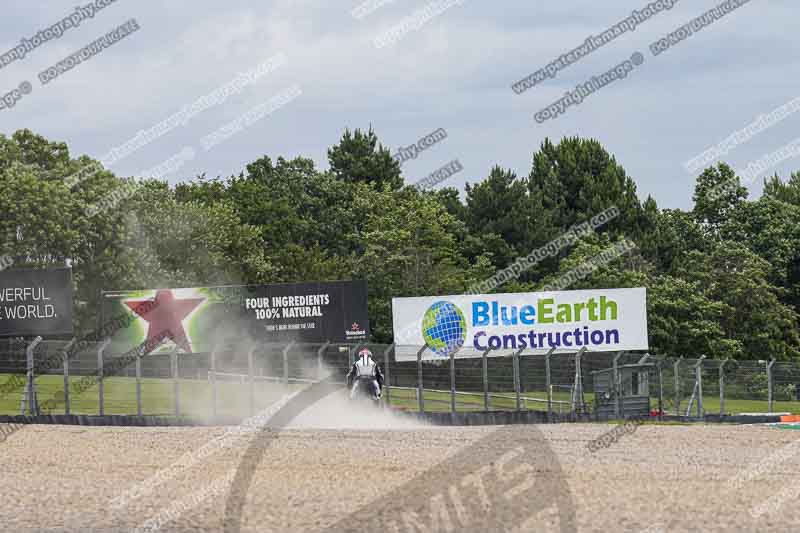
(354, 327)
(165, 319)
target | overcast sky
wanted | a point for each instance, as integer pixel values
(453, 72)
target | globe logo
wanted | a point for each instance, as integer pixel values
(444, 328)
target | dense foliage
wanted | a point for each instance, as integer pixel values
(723, 279)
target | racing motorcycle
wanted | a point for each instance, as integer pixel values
(365, 388)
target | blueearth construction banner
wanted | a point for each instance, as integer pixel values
(601, 320)
(36, 302)
(196, 319)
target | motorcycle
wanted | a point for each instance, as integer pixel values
(365, 388)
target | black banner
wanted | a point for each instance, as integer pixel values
(36, 302)
(196, 319)
(308, 312)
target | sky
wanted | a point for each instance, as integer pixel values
(453, 69)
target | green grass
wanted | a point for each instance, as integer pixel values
(735, 406)
(440, 401)
(157, 396)
(233, 398)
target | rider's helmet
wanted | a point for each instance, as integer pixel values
(365, 354)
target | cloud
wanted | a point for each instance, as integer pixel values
(454, 72)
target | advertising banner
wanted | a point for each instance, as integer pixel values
(195, 319)
(600, 319)
(36, 302)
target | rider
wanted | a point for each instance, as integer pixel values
(365, 367)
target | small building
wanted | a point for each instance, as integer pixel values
(634, 391)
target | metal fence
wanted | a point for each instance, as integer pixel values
(239, 380)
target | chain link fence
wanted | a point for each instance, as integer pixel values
(239, 380)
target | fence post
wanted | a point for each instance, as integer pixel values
(173, 356)
(386, 385)
(100, 376)
(677, 378)
(351, 351)
(698, 375)
(577, 389)
(30, 386)
(722, 387)
(138, 383)
(320, 355)
(485, 363)
(213, 366)
(618, 409)
(251, 375)
(660, 364)
(548, 384)
(420, 390)
(65, 355)
(453, 382)
(769, 385)
(286, 364)
(515, 369)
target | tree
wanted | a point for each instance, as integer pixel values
(408, 251)
(498, 206)
(628, 269)
(297, 209)
(578, 179)
(723, 279)
(360, 158)
(50, 158)
(203, 190)
(190, 244)
(45, 222)
(717, 194)
(754, 314)
(770, 229)
(788, 192)
(675, 234)
(682, 320)
(450, 199)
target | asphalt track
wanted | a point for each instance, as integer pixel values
(660, 478)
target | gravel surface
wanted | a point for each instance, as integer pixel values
(659, 478)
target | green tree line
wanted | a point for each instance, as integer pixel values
(723, 278)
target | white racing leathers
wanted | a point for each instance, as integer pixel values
(365, 368)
